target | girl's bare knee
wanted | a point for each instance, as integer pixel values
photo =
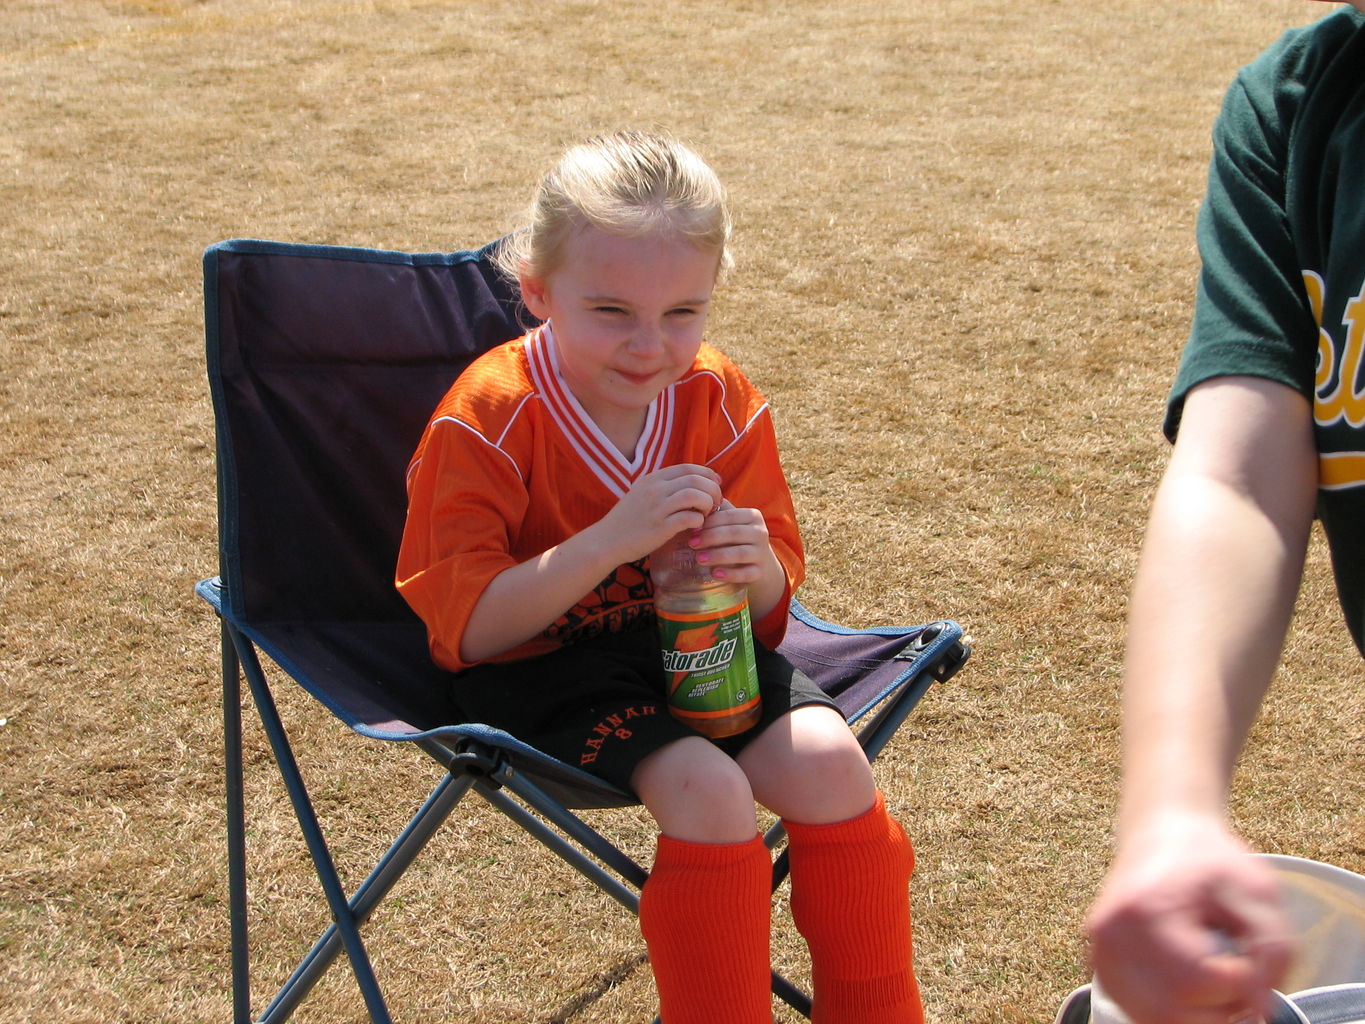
(811, 769)
(696, 793)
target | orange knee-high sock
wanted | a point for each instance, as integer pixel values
(705, 913)
(851, 902)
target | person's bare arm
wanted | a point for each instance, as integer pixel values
(1187, 929)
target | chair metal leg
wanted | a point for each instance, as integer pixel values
(369, 895)
(345, 920)
(877, 733)
(590, 869)
(493, 773)
(791, 995)
(236, 828)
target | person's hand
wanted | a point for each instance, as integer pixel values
(733, 544)
(1188, 928)
(660, 505)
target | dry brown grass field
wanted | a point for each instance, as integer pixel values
(965, 268)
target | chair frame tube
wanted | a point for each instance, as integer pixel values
(346, 920)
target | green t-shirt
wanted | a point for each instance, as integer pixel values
(1282, 239)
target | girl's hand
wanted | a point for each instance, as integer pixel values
(659, 506)
(733, 543)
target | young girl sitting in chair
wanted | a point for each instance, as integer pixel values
(546, 476)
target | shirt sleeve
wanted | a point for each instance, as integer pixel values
(1252, 314)
(465, 499)
(751, 477)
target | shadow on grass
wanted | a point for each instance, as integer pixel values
(600, 985)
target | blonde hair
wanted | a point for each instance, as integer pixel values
(630, 183)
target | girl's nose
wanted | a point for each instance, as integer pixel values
(647, 339)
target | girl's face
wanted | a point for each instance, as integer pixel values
(628, 315)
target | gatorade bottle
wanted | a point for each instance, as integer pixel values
(707, 643)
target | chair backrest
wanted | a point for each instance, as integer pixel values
(324, 366)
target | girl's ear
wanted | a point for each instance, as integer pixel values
(533, 293)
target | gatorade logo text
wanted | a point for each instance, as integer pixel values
(709, 668)
(709, 659)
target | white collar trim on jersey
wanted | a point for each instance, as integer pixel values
(596, 450)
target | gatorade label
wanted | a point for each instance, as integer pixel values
(709, 662)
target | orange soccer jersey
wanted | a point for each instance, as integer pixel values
(510, 465)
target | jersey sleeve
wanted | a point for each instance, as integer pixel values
(465, 497)
(1252, 315)
(751, 477)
